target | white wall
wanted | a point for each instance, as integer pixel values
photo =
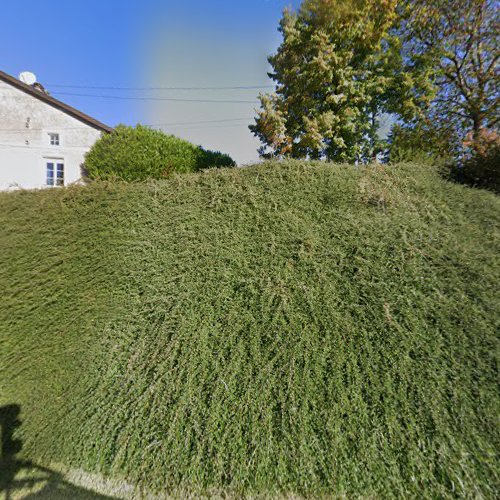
(24, 151)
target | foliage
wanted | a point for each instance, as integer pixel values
(337, 71)
(342, 65)
(211, 159)
(481, 166)
(418, 143)
(460, 41)
(141, 153)
(309, 330)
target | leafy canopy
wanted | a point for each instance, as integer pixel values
(338, 70)
(459, 40)
(344, 65)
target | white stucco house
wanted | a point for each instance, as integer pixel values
(42, 140)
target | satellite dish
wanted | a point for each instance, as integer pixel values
(27, 77)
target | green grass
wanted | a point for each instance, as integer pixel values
(296, 329)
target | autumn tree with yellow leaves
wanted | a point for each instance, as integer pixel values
(338, 70)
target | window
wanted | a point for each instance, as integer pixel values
(54, 139)
(55, 173)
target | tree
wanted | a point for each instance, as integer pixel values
(337, 71)
(420, 143)
(459, 39)
(139, 153)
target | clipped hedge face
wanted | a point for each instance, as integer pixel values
(290, 330)
(140, 153)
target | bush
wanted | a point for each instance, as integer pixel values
(479, 171)
(141, 153)
(290, 330)
(481, 168)
(210, 159)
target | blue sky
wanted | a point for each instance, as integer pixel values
(150, 43)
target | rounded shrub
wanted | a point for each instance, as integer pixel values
(139, 153)
(210, 159)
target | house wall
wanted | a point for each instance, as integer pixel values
(25, 124)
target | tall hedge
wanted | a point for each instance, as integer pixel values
(139, 153)
(307, 331)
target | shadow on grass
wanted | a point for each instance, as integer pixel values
(24, 479)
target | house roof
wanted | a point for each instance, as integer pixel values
(65, 108)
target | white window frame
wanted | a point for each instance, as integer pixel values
(55, 162)
(54, 138)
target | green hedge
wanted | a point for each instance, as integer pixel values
(139, 153)
(287, 330)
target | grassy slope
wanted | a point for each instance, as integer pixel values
(303, 329)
